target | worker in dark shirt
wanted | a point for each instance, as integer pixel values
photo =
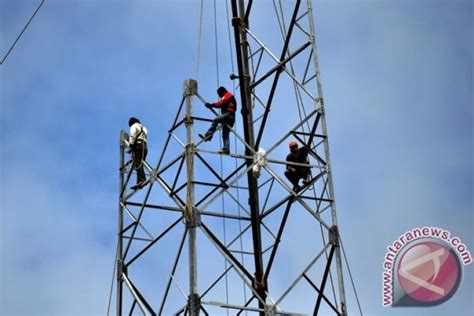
(295, 173)
(228, 105)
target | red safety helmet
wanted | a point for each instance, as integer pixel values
(293, 144)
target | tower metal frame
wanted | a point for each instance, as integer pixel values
(184, 206)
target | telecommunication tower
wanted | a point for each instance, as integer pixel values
(215, 234)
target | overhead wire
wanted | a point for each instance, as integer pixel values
(224, 227)
(21, 33)
(198, 52)
(113, 281)
(216, 43)
(352, 279)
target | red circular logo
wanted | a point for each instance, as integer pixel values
(429, 272)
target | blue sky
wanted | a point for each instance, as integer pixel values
(397, 79)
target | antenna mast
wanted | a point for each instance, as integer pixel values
(289, 261)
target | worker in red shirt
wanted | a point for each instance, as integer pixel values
(293, 172)
(228, 105)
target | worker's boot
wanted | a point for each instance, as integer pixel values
(139, 185)
(296, 188)
(205, 137)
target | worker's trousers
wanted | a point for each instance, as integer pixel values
(295, 176)
(227, 120)
(140, 150)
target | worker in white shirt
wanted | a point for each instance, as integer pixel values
(138, 147)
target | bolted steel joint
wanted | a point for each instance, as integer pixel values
(154, 175)
(193, 217)
(123, 139)
(260, 161)
(272, 310)
(334, 236)
(190, 149)
(327, 167)
(235, 22)
(194, 304)
(190, 87)
(121, 269)
(188, 120)
(320, 103)
(343, 309)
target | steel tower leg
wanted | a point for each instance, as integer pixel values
(120, 227)
(191, 215)
(238, 22)
(334, 234)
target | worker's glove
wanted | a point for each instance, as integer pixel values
(208, 105)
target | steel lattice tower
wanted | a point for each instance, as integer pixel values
(254, 245)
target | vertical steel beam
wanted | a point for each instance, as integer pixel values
(241, 43)
(323, 282)
(120, 226)
(191, 215)
(335, 233)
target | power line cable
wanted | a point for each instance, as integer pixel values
(216, 43)
(352, 279)
(198, 53)
(113, 281)
(21, 33)
(224, 227)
